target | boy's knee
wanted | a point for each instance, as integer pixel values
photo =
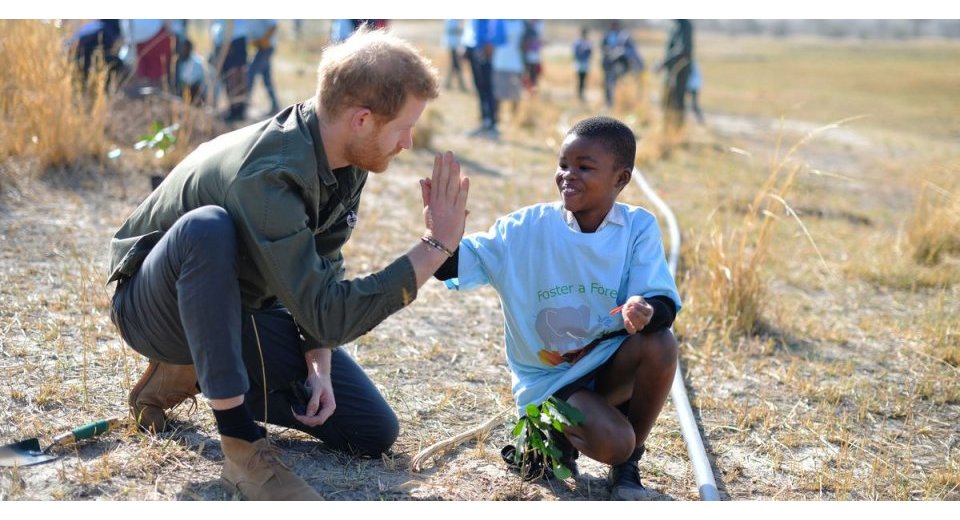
(621, 450)
(618, 445)
(659, 348)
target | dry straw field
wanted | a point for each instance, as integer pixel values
(820, 212)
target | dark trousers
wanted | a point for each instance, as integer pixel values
(581, 83)
(610, 77)
(676, 93)
(261, 66)
(455, 69)
(183, 307)
(482, 70)
(233, 74)
(695, 105)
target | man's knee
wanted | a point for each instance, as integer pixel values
(371, 438)
(211, 228)
(381, 436)
(208, 222)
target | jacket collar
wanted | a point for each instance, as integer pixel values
(308, 110)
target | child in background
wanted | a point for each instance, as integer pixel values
(588, 301)
(582, 50)
(191, 75)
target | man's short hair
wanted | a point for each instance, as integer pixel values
(373, 69)
(617, 137)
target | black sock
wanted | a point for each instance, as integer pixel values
(637, 454)
(238, 423)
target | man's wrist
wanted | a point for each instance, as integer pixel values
(437, 244)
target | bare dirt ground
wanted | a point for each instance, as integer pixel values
(839, 399)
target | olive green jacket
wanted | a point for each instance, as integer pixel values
(292, 215)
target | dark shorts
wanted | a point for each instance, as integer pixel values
(587, 381)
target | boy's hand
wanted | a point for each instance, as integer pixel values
(445, 201)
(636, 314)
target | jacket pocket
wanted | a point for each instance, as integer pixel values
(135, 256)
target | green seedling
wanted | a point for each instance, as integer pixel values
(532, 434)
(160, 138)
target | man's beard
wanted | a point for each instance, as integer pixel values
(366, 155)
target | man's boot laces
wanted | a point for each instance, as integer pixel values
(269, 454)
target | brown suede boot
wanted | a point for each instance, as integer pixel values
(161, 387)
(254, 469)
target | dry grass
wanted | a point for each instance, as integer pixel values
(45, 115)
(631, 99)
(727, 281)
(934, 229)
(848, 389)
(430, 123)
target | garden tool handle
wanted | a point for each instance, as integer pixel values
(87, 431)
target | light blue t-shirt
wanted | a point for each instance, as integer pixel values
(557, 287)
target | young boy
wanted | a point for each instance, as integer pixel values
(561, 269)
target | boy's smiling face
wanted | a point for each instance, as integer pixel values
(589, 179)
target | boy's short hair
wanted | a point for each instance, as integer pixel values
(373, 69)
(615, 136)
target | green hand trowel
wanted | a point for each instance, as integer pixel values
(27, 452)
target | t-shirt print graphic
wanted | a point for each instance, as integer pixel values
(564, 330)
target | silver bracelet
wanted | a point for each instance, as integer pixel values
(432, 242)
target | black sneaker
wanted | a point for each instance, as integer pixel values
(623, 481)
(530, 468)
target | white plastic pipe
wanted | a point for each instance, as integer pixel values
(702, 471)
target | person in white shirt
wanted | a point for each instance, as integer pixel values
(191, 75)
(508, 67)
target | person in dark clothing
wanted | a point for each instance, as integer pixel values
(263, 33)
(480, 39)
(532, 46)
(102, 36)
(694, 85)
(230, 275)
(619, 56)
(677, 63)
(229, 59)
(582, 51)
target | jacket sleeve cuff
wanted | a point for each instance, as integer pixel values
(400, 281)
